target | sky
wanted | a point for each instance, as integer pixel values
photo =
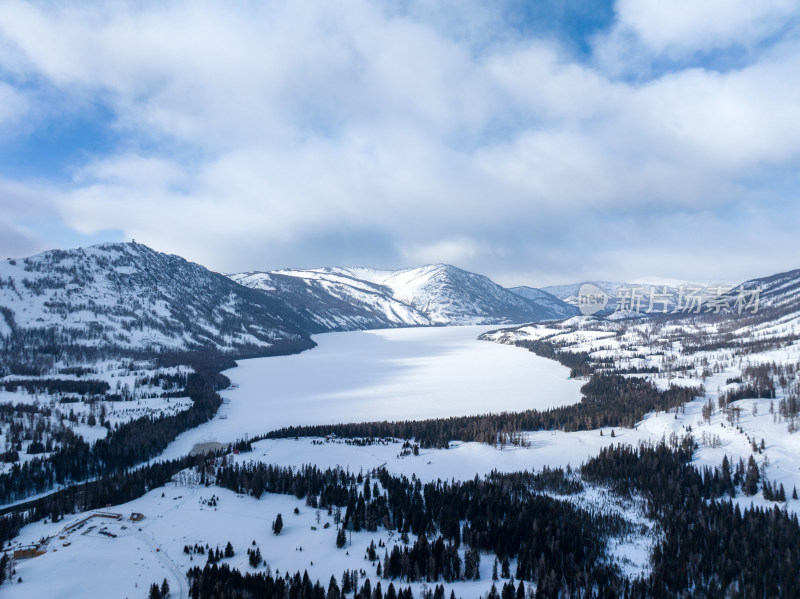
(537, 143)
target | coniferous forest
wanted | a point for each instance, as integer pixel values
(708, 547)
(124, 447)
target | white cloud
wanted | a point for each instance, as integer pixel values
(680, 27)
(258, 129)
(22, 204)
(456, 251)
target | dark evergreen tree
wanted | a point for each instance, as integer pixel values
(333, 589)
(751, 477)
(505, 571)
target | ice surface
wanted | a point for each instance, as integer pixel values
(389, 374)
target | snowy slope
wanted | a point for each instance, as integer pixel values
(437, 294)
(127, 297)
(449, 295)
(779, 292)
(543, 298)
(643, 287)
(185, 513)
(569, 293)
(727, 355)
(334, 300)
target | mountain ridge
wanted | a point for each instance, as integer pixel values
(128, 298)
(433, 294)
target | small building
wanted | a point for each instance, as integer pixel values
(29, 551)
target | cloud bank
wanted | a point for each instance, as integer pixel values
(263, 135)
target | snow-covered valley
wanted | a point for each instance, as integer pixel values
(399, 374)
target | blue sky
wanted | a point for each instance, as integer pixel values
(535, 142)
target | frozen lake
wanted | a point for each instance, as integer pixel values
(388, 374)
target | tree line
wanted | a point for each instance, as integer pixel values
(607, 400)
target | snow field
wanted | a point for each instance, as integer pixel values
(125, 566)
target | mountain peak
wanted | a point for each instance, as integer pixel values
(123, 298)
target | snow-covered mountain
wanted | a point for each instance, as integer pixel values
(779, 292)
(127, 298)
(569, 293)
(334, 300)
(437, 294)
(449, 295)
(545, 299)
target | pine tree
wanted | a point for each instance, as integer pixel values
(164, 589)
(333, 589)
(346, 587)
(751, 477)
(277, 526)
(254, 557)
(155, 593)
(726, 473)
(229, 550)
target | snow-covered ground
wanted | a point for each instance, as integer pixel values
(149, 551)
(71, 410)
(393, 374)
(390, 374)
(180, 517)
(647, 345)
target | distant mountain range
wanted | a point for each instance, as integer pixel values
(569, 293)
(125, 298)
(438, 294)
(644, 286)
